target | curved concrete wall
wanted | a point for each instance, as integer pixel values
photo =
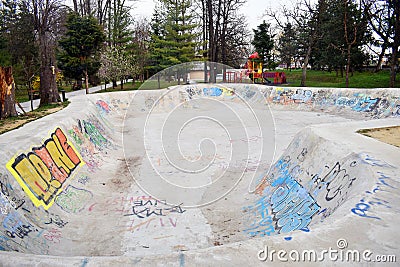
(374, 103)
(65, 192)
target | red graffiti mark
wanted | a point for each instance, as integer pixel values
(92, 206)
(103, 105)
(172, 223)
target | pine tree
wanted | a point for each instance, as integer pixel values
(264, 43)
(79, 55)
(287, 45)
(173, 36)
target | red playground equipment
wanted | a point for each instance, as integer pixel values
(254, 69)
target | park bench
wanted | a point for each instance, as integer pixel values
(33, 94)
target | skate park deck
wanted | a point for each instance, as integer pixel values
(201, 175)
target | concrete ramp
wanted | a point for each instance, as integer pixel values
(203, 175)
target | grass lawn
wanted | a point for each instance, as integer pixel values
(147, 85)
(314, 79)
(126, 87)
(329, 79)
(16, 122)
(21, 93)
(153, 84)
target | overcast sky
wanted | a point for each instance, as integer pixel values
(253, 9)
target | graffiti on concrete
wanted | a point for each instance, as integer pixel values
(141, 212)
(103, 106)
(7, 200)
(285, 205)
(90, 138)
(292, 195)
(151, 223)
(302, 96)
(43, 219)
(259, 219)
(372, 161)
(375, 105)
(53, 235)
(83, 179)
(15, 226)
(292, 206)
(213, 91)
(334, 184)
(153, 207)
(73, 200)
(376, 198)
(42, 171)
(20, 235)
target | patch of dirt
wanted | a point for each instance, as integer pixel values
(16, 122)
(388, 135)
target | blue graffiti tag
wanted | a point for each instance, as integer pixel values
(213, 91)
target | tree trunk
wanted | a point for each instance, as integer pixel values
(348, 65)
(7, 93)
(223, 48)
(86, 81)
(178, 76)
(380, 58)
(211, 37)
(305, 64)
(205, 72)
(205, 27)
(48, 86)
(75, 5)
(79, 83)
(396, 44)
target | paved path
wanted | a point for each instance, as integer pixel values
(27, 105)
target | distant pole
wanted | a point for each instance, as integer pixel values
(31, 91)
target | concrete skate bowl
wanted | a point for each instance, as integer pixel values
(201, 174)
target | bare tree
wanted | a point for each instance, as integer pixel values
(379, 18)
(355, 26)
(217, 18)
(141, 38)
(306, 18)
(310, 17)
(229, 16)
(46, 17)
(396, 41)
(84, 7)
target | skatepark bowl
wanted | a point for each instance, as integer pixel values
(203, 175)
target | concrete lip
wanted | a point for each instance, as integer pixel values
(203, 175)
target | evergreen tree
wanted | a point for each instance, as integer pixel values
(287, 45)
(155, 46)
(264, 43)
(173, 36)
(119, 22)
(344, 30)
(79, 56)
(18, 45)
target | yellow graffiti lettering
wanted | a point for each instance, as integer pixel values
(40, 167)
(56, 172)
(42, 172)
(29, 175)
(59, 158)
